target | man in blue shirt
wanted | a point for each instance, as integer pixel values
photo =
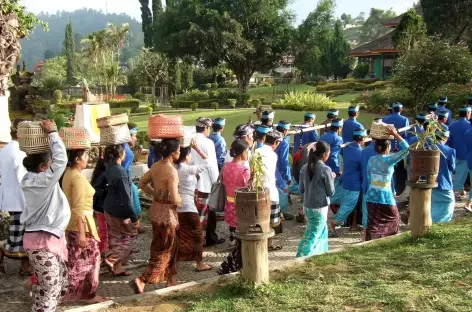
(335, 141)
(442, 107)
(419, 126)
(456, 140)
(351, 124)
(283, 167)
(220, 143)
(352, 177)
(387, 117)
(443, 119)
(442, 197)
(432, 108)
(303, 138)
(399, 121)
(332, 114)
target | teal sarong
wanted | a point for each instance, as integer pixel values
(442, 205)
(315, 239)
(349, 203)
(337, 197)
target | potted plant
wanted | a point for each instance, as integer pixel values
(252, 203)
(425, 154)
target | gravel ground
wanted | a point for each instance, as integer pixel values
(13, 298)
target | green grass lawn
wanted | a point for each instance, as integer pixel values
(269, 93)
(430, 274)
(235, 117)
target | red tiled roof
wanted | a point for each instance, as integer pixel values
(379, 46)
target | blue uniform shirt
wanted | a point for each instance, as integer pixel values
(335, 142)
(445, 127)
(446, 167)
(352, 173)
(366, 154)
(283, 164)
(348, 128)
(417, 129)
(468, 145)
(440, 108)
(457, 137)
(305, 138)
(152, 158)
(220, 148)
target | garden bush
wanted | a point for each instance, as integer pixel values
(139, 95)
(306, 101)
(339, 86)
(124, 104)
(214, 85)
(194, 106)
(361, 70)
(243, 98)
(230, 84)
(265, 84)
(228, 94)
(262, 100)
(215, 105)
(232, 103)
(213, 94)
(335, 93)
(373, 86)
(67, 97)
(255, 103)
(194, 95)
(143, 109)
(206, 86)
(57, 97)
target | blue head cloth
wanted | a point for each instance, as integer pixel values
(353, 109)
(220, 122)
(310, 115)
(397, 105)
(284, 126)
(338, 124)
(443, 99)
(362, 133)
(333, 113)
(433, 105)
(264, 130)
(443, 134)
(420, 117)
(268, 115)
(443, 113)
(465, 109)
(133, 131)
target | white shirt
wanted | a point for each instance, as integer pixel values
(228, 159)
(209, 176)
(11, 172)
(187, 184)
(269, 159)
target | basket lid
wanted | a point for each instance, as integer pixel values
(379, 131)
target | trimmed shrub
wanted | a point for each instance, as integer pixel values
(194, 106)
(67, 97)
(139, 95)
(228, 94)
(306, 101)
(215, 105)
(255, 103)
(243, 98)
(128, 111)
(230, 84)
(194, 96)
(232, 103)
(213, 94)
(207, 86)
(214, 85)
(150, 108)
(57, 97)
(262, 100)
(124, 104)
(373, 86)
(339, 86)
(361, 70)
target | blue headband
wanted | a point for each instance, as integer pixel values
(264, 130)
(268, 115)
(422, 117)
(338, 124)
(443, 113)
(221, 122)
(465, 109)
(354, 109)
(134, 130)
(397, 105)
(333, 113)
(443, 100)
(362, 133)
(310, 115)
(284, 126)
(434, 105)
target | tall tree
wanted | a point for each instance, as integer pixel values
(449, 19)
(409, 32)
(150, 21)
(373, 27)
(251, 36)
(340, 62)
(70, 55)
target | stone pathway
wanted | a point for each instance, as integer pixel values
(13, 298)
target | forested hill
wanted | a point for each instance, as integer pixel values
(41, 45)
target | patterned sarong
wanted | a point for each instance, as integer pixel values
(315, 239)
(383, 220)
(13, 247)
(121, 239)
(190, 237)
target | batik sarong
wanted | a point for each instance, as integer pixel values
(315, 239)
(383, 220)
(442, 205)
(83, 267)
(190, 237)
(13, 247)
(121, 240)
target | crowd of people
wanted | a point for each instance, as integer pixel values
(63, 227)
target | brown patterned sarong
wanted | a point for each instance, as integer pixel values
(121, 239)
(164, 252)
(383, 220)
(190, 237)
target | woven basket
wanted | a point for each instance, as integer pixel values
(113, 120)
(379, 131)
(75, 138)
(115, 135)
(32, 138)
(165, 127)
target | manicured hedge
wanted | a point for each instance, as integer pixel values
(132, 103)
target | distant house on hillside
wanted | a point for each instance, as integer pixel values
(381, 54)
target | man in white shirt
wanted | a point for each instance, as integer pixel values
(243, 132)
(269, 159)
(206, 179)
(12, 199)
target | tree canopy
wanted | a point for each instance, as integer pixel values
(373, 27)
(409, 32)
(248, 36)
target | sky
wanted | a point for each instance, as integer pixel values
(132, 7)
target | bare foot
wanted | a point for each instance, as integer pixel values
(137, 285)
(171, 282)
(203, 267)
(28, 287)
(96, 299)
